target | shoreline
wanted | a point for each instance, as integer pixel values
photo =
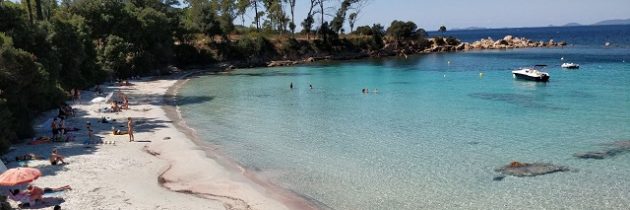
(162, 169)
(397, 49)
(292, 199)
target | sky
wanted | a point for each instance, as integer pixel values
(430, 14)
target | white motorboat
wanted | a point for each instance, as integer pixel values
(531, 73)
(570, 65)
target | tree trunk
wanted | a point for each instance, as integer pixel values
(321, 6)
(30, 12)
(293, 16)
(38, 9)
(257, 19)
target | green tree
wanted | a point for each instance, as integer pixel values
(337, 23)
(352, 18)
(241, 9)
(25, 85)
(400, 30)
(307, 23)
(116, 57)
(442, 30)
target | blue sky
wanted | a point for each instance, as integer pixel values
(485, 13)
(430, 14)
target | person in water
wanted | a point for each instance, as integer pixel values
(291, 85)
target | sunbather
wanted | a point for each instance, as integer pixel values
(118, 131)
(56, 158)
(29, 156)
(36, 193)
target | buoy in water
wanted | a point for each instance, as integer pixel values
(480, 74)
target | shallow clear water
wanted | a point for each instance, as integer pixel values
(434, 132)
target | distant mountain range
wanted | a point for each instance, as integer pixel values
(604, 23)
(600, 23)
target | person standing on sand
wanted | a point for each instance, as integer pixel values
(125, 102)
(130, 129)
(77, 95)
(88, 127)
(55, 128)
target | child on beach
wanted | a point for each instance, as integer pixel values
(130, 129)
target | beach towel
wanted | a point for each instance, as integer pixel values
(39, 140)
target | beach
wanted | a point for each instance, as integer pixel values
(162, 169)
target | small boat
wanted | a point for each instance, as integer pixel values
(531, 73)
(570, 65)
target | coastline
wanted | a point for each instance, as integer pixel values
(291, 199)
(163, 169)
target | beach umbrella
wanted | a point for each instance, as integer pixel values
(109, 97)
(18, 176)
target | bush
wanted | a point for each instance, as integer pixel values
(438, 40)
(363, 30)
(452, 41)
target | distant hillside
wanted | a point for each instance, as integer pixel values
(469, 28)
(613, 22)
(572, 24)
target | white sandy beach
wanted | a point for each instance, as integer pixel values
(163, 169)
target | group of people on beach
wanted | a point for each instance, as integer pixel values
(120, 102)
(34, 195)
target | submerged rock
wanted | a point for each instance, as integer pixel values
(498, 178)
(530, 169)
(616, 148)
(592, 155)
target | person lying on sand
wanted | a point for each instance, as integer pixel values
(29, 156)
(22, 197)
(119, 132)
(36, 193)
(56, 158)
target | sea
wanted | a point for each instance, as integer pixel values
(432, 128)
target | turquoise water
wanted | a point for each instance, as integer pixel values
(432, 135)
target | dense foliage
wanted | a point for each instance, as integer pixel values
(49, 47)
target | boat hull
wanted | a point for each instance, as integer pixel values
(542, 78)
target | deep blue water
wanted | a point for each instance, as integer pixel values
(433, 133)
(581, 36)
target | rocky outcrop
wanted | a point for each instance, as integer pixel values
(509, 42)
(615, 148)
(395, 48)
